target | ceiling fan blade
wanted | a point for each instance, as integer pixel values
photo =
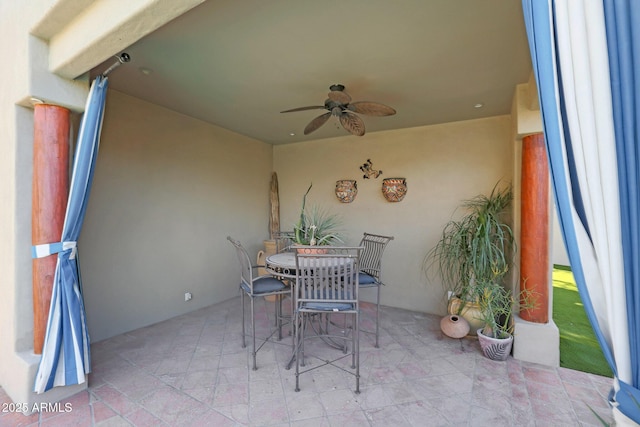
(316, 123)
(352, 123)
(339, 96)
(311, 107)
(371, 108)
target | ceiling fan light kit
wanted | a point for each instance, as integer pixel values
(338, 104)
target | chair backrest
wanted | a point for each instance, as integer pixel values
(371, 256)
(330, 277)
(284, 240)
(246, 272)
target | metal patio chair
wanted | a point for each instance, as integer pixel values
(284, 240)
(327, 284)
(259, 286)
(371, 270)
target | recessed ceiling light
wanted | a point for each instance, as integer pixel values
(292, 134)
(145, 71)
(479, 105)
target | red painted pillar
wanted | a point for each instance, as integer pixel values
(534, 238)
(49, 202)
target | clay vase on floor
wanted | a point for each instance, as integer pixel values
(454, 326)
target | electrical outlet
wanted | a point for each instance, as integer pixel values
(187, 296)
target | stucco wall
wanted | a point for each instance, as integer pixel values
(168, 189)
(443, 164)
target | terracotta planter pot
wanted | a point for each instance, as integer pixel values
(495, 348)
(312, 251)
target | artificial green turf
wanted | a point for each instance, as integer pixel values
(579, 349)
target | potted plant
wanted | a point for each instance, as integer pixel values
(496, 306)
(474, 251)
(316, 226)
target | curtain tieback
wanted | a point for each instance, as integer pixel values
(46, 249)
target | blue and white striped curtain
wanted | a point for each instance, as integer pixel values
(586, 59)
(65, 354)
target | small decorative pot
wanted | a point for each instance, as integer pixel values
(394, 189)
(495, 348)
(454, 326)
(346, 190)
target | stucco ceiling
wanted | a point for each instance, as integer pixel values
(237, 64)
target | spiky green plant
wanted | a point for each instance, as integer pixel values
(497, 305)
(316, 226)
(476, 249)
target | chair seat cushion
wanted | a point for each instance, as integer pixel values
(327, 306)
(264, 285)
(365, 279)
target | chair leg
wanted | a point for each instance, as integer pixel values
(253, 333)
(303, 327)
(345, 329)
(244, 344)
(356, 349)
(294, 325)
(278, 305)
(297, 350)
(354, 337)
(378, 317)
(275, 302)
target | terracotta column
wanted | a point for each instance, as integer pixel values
(49, 203)
(534, 238)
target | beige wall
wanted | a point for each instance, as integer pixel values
(167, 191)
(443, 164)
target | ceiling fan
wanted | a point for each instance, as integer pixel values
(339, 105)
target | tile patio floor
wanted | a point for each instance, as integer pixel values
(192, 371)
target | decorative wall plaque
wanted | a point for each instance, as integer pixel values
(346, 190)
(368, 170)
(394, 189)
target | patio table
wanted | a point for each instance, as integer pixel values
(282, 265)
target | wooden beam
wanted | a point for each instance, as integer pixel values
(50, 191)
(534, 235)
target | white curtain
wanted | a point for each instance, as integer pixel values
(571, 44)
